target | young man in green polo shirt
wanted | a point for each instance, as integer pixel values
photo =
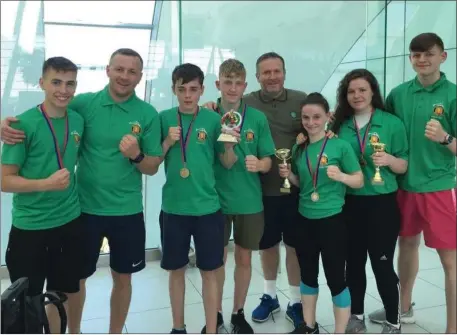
(281, 106)
(190, 203)
(121, 142)
(47, 236)
(427, 107)
(239, 188)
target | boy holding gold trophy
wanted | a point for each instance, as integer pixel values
(239, 188)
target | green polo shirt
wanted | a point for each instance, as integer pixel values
(431, 165)
(108, 183)
(284, 118)
(37, 159)
(195, 195)
(240, 191)
(331, 193)
(385, 128)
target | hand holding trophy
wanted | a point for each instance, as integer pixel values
(377, 179)
(230, 121)
(284, 155)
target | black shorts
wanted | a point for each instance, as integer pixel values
(281, 215)
(126, 237)
(208, 234)
(54, 255)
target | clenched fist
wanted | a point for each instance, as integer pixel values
(59, 180)
(334, 173)
(252, 163)
(434, 131)
(174, 134)
(129, 147)
(284, 170)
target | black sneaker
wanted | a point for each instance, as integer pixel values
(178, 331)
(304, 329)
(240, 325)
(220, 322)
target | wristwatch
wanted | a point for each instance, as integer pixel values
(447, 140)
(137, 159)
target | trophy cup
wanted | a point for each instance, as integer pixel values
(377, 179)
(230, 121)
(284, 155)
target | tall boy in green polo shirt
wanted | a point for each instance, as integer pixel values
(190, 203)
(46, 238)
(239, 188)
(427, 107)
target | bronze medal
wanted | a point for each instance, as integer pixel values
(184, 172)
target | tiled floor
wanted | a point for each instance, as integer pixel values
(150, 309)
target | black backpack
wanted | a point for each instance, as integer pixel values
(22, 314)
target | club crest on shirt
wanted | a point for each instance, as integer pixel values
(324, 160)
(293, 114)
(76, 137)
(202, 135)
(249, 134)
(438, 110)
(373, 137)
(135, 127)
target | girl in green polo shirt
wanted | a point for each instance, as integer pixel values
(371, 212)
(322, 168)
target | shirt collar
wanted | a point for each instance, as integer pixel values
(417, 86)
(126, 106)
(375, 121)
(265, 98)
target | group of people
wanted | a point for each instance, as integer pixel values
(363, 176)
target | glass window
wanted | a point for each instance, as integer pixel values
(22, 57)
(435, 16)
(91, 49)
(101, 12)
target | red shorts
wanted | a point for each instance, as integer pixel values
(434, 213)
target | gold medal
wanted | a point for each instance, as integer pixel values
(184, 172)
(315, 196)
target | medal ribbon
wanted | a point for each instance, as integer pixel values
(183, 141)
(315, 174)
(362, 142)
(59, 154)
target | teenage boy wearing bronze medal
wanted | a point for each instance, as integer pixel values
(47, 236)
(361, 120)
(190, 202)
(322, 168)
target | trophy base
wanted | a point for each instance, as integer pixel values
(227, 138)
(377, 182)
(284, 190)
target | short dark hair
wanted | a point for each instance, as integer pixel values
(187, 72)
(270, 55)
(426, 41)
(59, 64)
(127, 52)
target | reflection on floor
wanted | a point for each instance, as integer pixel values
(150, 310)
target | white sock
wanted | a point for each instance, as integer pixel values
(294, 294)
(270, 288)
(359, 316)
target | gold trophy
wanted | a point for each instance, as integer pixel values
(284, 155)
(230, 121)
(377, 179)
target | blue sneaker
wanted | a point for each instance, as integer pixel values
(294, 314)
(268, 306)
